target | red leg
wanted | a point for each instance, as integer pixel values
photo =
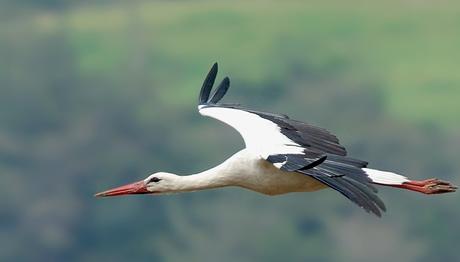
(429, 186)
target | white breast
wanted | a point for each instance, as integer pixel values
(252, 172)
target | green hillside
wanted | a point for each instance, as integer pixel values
(408, 50)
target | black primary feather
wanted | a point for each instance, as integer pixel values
(357, 193)
(220, 91)
(207, 85)
(373, 197)
(352, 185)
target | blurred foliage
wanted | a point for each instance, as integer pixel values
(94, 94)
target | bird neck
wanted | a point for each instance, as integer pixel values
(212, 178)
(228, 173)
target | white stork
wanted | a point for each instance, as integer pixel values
(282, 155)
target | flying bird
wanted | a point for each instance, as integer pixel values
(281, 155)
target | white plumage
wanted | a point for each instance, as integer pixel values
(260, 136)
(385, 177)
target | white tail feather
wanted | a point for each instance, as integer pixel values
(384, 177)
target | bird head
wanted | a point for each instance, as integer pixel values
(160, 182)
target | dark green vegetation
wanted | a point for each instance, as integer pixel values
(95, 95)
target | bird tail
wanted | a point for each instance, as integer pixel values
(428, 186)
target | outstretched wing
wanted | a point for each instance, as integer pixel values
(292, 145)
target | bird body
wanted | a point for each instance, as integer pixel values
(281, 155)
(248, 170)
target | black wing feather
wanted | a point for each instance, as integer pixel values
(347, 170)
(350, 181)
(220, 91)
(207, 85)
(357, 193)
(371, 195)
(344, 190)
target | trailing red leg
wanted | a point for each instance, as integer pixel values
(428, 186)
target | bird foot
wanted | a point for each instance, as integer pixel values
(429, 186)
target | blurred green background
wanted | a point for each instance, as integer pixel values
(95, 94)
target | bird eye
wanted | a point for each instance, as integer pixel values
(154, 179)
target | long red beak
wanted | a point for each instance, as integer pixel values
(134, 188)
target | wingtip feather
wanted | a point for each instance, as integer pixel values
(220, 91)
(208, 84)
